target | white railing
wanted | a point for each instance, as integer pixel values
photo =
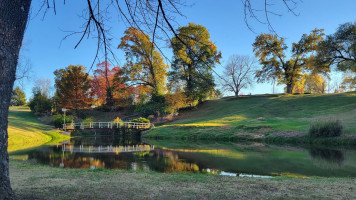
(106, 149)
(107, 125)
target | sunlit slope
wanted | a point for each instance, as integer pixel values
(282, 114)
(25, 131)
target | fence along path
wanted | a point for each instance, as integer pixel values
(106, 125)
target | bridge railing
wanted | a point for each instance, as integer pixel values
(107, 125)
(106, 149)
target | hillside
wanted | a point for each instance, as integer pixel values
(25, 131)
(261, 116)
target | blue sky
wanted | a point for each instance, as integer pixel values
(47, 51)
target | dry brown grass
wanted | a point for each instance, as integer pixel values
(41, 182)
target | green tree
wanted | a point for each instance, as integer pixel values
(145, 65)
(18, 97)
(73, 87)
(349, 82)
(40, 103)
(271, 52)
(195, 55)
(339, 48)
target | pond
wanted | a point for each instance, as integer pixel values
(234, 159)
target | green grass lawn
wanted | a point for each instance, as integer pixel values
(32, 181)
(260, 116)
(25, 131)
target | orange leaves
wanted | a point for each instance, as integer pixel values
(103, 81)
(73, 87)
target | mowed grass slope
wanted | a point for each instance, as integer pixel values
(25, 131)
(257, 116)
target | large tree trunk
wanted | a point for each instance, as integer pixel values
(237, 93)
(13, 19)
(289, 88)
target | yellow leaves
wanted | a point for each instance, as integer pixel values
(117, 119)
(197, 38)
(145, 65)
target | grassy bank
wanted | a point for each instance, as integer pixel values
(25, 131)
(33, 181)
(273, 118)
(40, 182)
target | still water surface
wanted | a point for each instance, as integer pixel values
(234, 159)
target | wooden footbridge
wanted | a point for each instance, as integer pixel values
(105, 149)
(106, 125)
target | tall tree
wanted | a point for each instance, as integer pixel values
(13, 19)
(238, 73)
(18, 97)
(73, 87)
(195, 56)
(339, 48)
(145, 65)
(102, 83)
(271, 50)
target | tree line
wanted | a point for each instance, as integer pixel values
(156, 88)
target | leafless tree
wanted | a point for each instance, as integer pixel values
(238, 73)
(24, 71)
(43, 86)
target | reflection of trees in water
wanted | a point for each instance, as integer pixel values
(327, 158)
(168, 161)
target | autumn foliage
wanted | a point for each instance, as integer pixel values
(102, 82)
(73, 87)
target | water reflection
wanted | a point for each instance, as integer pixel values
(233, 159)
(327, 158)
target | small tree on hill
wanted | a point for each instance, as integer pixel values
(18, 97)
(238, 73)
(40, 103)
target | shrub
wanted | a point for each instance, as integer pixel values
(88, 119)
(331, 128)
(141, 120)
(58, 120)
(156, 106)
(117, 119)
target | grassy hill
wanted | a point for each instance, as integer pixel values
(262, 116)
(25, 131)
